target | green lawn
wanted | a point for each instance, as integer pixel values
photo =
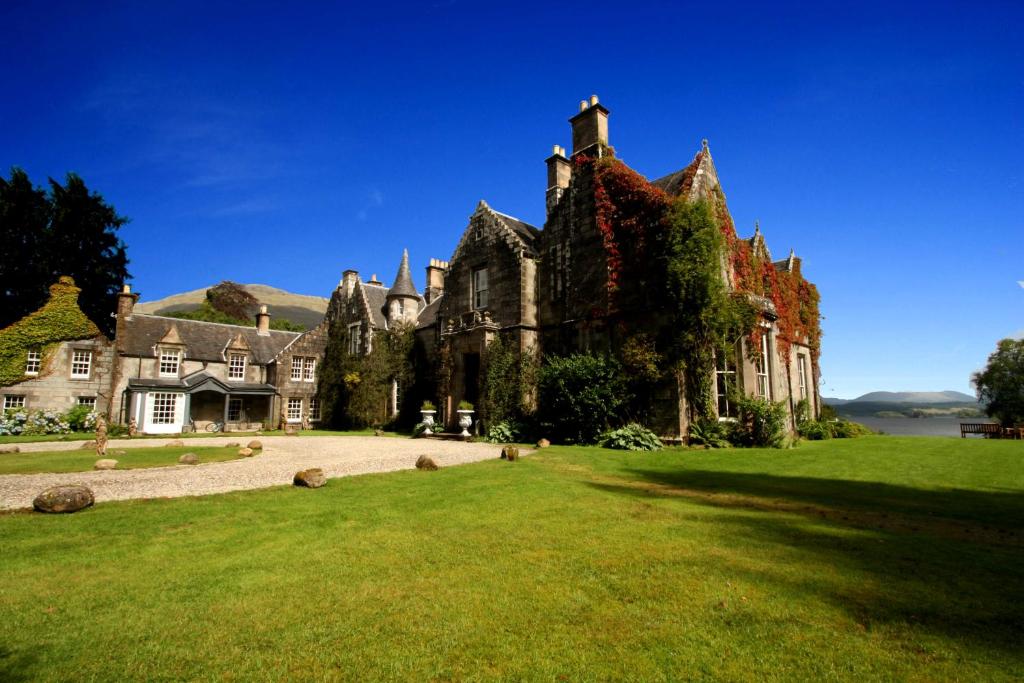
(883, 558)
(82, 460)
(86, 436)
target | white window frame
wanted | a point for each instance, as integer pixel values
(33, 363)
(801, 364)
(296, 373)
(294, 409)
(169, 358)
(725, 378)
(314, 409)
(14, 401)
(234, 409)
(309, 369)
(81, 358)
(164, 409)
(87, 401)
(763, 369)
(355, 339)
(480, 288)
(236, 371)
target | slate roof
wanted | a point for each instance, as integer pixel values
(203, 380)
(428, 314)
(403, 285)
(202, 340)
(376, 300)
(524, 230)
(680, 182)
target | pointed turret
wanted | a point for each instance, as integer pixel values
(403, 299)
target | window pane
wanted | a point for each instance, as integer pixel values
(33, 362)
(11, 402)
(294, 409)
(309, 370)
(236, 366)
(87, 401)
(234, 409)
(296, 368)
(169, 362)
(81, 362)
(164, 406)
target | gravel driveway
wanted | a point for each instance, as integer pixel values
(282, 457)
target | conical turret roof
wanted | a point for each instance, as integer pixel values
(403, 285)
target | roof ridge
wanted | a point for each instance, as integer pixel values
(208, 322)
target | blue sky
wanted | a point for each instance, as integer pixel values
(281, 145)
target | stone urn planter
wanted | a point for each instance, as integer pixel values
(465, 421)
(428, 421)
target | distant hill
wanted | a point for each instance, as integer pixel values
(298, 308)
(906, 397)
(907, 404)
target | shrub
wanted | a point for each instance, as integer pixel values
(579, 395)
(709, 432)
(761, 423)
(13, 422)
(506, 431)
(632, 437)
(428, 405)
(844, 429)
(81, 419)
(465, 405)
(815, 430)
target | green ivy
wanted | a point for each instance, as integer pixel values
(59, 320)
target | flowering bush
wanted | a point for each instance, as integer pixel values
(81, 419)
(632, 437)
(14, 422)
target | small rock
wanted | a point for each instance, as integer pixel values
(119, 452)
(88, 445)
(256, 445)
(9, 449)
(312, 478)
(245, 452)
(105, 464)
(378, 432)
(425, 462)
(177, 443)
(543, 443)
(510, 453)
(189, 459)
(71, 498)
(232, 444)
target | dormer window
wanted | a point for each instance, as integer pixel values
(170, 362)
(236, 366)
(33, 362)
(479, 293)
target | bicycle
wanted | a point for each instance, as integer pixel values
(215, 427)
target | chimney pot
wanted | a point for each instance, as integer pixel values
(583, 105)
(593, 100)
(126, 288)
(263, 321)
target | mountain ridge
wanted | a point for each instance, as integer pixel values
(303, 309)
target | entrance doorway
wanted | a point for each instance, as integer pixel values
(471, 377)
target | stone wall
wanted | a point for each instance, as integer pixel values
(55, 389)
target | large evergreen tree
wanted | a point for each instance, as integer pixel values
(66, 231)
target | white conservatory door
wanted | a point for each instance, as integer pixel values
(165, 412)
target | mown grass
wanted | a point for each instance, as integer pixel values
(82, 460)
(839, 560)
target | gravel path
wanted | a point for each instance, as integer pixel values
(282, 457)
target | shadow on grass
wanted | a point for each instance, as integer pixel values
(949, 562)
(16, 666)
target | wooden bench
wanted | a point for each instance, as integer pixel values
(988, 429)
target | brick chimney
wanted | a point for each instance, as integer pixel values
(590, 129)
(126, 302)
(348, 281)
(435, 279)
(263, 321)
(559, 174)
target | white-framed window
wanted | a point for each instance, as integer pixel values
(309, 370)
(87, 401)
(12, 402)
(480, 288)
(296, 369)
(801, 366)
(762, 367)
(725, 384)
(234, 409)
(170, 361)
(355, 339)
(164, 408)
(81, 364)
(236, 366)
(314, 409)
(294, 413)
(33, 362)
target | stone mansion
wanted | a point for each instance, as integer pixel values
(544, 289)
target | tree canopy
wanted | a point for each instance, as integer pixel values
(1001, 384)
(65, 230)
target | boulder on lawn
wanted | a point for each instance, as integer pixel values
(9, 449)
(312, 478)
(256, 445)
(378, 432)
(105, 464)
(543, 443)
(88, 446)
(189, 459)
(232, 444)
(245, 452)
(425, 462)
(510, 453)
(177, 443)
(68, 498)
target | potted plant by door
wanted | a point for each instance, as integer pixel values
(465, 412)
(428, 410)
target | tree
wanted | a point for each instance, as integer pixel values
(65, 231)
(1001, 384)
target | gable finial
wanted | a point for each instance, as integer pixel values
(757, 227)
(704, 144)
